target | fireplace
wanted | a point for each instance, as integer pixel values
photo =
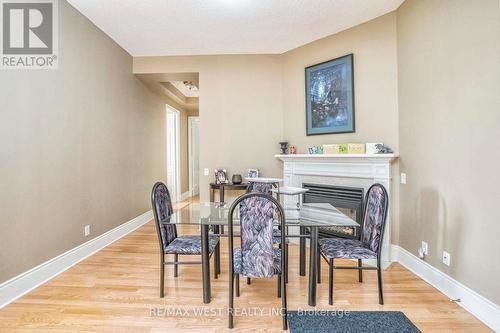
(346, 171)
(349, 200)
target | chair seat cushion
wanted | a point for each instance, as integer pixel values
(238, 265)
(277, 237)
(190, 245)
(344, 248)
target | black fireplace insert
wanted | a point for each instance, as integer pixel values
(349, 200)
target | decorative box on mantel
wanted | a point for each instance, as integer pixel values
(347, 170)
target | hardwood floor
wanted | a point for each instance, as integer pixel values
(116, 290)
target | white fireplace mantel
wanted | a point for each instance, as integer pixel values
(355, 170)
(321, 157)
(341, 165)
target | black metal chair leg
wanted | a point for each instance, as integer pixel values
(380, 291)
(237, 283)
(217, 261)
(231, 301)
(330, 282)
(286, 263)
(285, 320)
(302, 255)
(279, 285)
(284, 306)
(318, 279)
(216, 275)
(360, 271)
(218, 258)
(162, 278)
(249, 280)
(176, 267)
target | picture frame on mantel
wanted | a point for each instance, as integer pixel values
(330, 97)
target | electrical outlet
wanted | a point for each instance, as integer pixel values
(403, 178)
(446, 258)
(206, 171)
(86, 230)
(425, 248)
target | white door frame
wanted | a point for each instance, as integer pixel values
(174, 192)
(190, 149)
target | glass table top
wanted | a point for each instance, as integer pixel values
(308, 215)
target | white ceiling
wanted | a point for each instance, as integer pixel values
(202, 27)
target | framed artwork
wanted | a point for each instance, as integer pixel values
(253, 173)
(330, 97)
(220, 176)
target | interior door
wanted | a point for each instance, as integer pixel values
(194, 155)
(173, 153)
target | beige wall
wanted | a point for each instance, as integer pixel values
(80, 145)
(449, 101)
(375, 83)
(374, 49)
(240, 110)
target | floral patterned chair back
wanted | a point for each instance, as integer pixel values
(259, 187)
(162, 210)
(376, 206)
(256, 234)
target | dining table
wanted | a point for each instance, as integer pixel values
(307, 216)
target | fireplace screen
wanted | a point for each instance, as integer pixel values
(349, 200)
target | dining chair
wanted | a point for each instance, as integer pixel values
(257, 257)
(266, 188)
(368, 247)
(170, 242)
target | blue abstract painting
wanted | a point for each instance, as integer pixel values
(330, 97)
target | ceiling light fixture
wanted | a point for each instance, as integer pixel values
(190, 85)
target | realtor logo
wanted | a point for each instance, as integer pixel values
(29, 34)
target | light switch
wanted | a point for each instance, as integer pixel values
(206, 171)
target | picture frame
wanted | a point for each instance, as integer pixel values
(221, 176)
(253, 173)
(330, 97)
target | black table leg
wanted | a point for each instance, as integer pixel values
(217, 253)
(302, 257)
(313, 247)
(221, 193)
(221, 200)
(205, 263)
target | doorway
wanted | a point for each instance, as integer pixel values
(173, 152)
(194, 155)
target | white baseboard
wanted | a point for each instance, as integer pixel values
(18, 286)
(479, 306)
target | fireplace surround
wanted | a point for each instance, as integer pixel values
(343, 171)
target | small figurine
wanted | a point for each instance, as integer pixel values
(292, 150)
